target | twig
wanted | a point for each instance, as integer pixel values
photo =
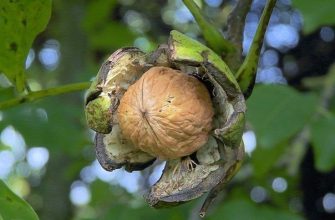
(33, 96)
(212, 36)
(235, 28)
(298, 150)
(247, 73)
(329, 88)
(210, 198)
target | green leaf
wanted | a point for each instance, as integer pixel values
(114, 35)
(103, 32)
(243, 209)
(114, 203)
(323, 142)
(13, 207)
(20, 22)
(6, 93)
(263, 159)
(278, 112)
(212, 35)
(315, 13)
(98, 13)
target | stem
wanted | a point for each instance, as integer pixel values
(210, 33)
(247, 73)
(33, 96)
(210, 198)
(236, 23)
(298, 150)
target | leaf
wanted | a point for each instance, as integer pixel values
(315, 13)
(114, 35)
(323, 143)
(212, 36)
(243, 209)
(115, 203)
(20, 22)
(6, 93)
(278, 112)
(263, 159)
(13, 207)
(104, 33)
(98, 13)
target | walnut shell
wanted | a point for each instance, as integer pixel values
(166, 113)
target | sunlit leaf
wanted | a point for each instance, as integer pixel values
(323, 142)
(13, 207)
(316, 13)
(278, 112)
(20, 22)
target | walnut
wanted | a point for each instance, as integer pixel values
(166, 113)
(145, 106)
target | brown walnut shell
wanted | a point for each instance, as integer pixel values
(166, 113)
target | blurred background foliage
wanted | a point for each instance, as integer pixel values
(46, 152)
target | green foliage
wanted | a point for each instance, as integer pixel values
(114, 35)
(102, 31)
(316, 13)
(278, 112)
(6, 93)
(20, 24)
(115, 203)
(237, 209)
(323, 141)
(13, 207)
(264, 159)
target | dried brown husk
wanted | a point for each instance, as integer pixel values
(119, 71)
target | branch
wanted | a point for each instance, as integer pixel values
(33, 96)
(211, 35)
(236, 23)
(246, 75)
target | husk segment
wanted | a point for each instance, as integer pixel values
(120, 70)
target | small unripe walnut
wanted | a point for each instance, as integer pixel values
(166, 113)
